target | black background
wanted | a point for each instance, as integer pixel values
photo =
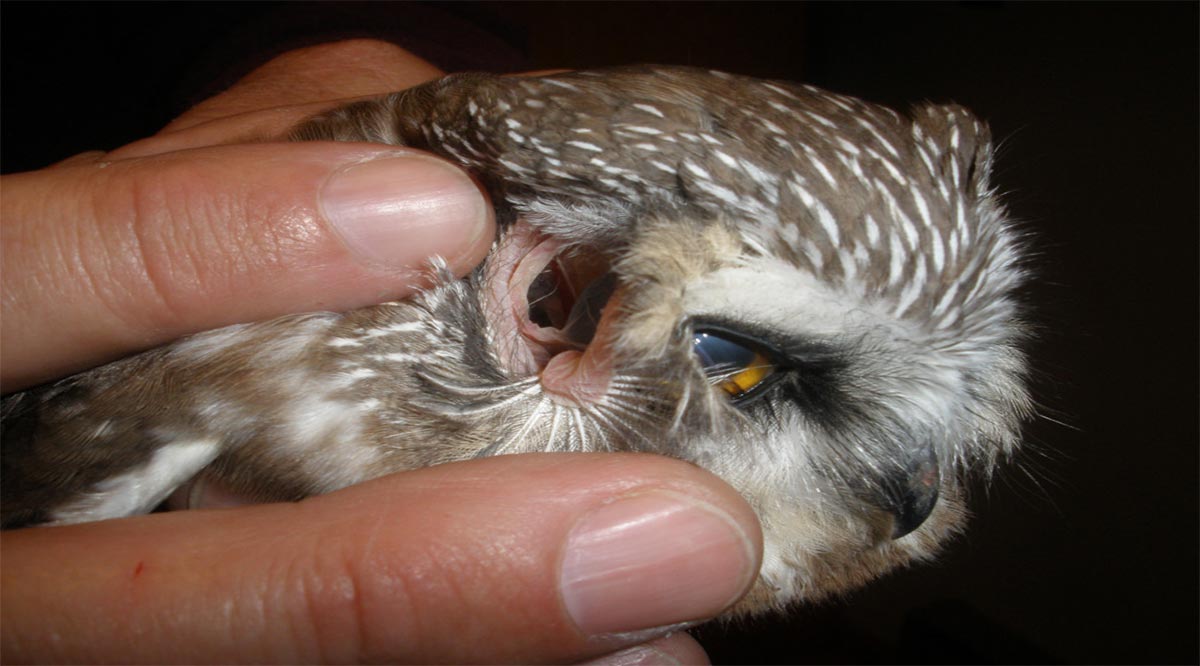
(1086, 551)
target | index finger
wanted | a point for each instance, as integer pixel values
(335, 71)
(270, 101)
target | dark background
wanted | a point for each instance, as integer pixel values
(1086, 551)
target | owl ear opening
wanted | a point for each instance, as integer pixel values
(961, 144)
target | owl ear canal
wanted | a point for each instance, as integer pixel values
(961, 143)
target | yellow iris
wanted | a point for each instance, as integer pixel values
(744, 380)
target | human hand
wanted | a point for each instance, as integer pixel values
(518, 558)
(205, 224)
(532, 558)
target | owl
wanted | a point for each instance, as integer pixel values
(807, 294)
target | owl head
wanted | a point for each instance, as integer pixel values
(807, 294)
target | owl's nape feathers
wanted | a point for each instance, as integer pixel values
(807, 294)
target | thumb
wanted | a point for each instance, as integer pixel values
(531, 558)
(105, 258)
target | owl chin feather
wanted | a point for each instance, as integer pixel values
(809, 295)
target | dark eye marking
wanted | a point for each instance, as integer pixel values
(748, 364)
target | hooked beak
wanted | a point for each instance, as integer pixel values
(911, 493)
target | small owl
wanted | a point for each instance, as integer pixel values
(807, 294)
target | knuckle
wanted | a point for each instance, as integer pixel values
(340, 605)
(360, 50)
(168, 232)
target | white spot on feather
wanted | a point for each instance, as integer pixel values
(771, 127)
(821, 119)
(649, 109)
(896, 265)
(761, 177)
(887, 145)
(781, 91)
(514, 166)
(912, 290)
(891, 168)
(726, 159)
(847, 146)
(922, 207)
(872, 230)
(560, 84)
(205, 345)
(825, 218)
(405, 327)
(697, 170)
(360, 373)
(641, 129)
(938, 257)
(823, 170)
(585, 145)
(398, 357)
(141, 489)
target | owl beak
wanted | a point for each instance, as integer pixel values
(910, 494)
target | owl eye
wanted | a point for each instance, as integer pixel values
(737, 367)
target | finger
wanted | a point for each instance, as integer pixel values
(266, 109)
(532, 558)
(339, 70)
(678, 648)
(259, 126)
(267, 103)
(101, 259)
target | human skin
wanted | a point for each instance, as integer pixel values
(536, 558)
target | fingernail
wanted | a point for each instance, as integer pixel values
(202, 493)
(397, 212)
(651, 561)
(640, 655)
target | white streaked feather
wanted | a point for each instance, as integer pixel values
(141, 489)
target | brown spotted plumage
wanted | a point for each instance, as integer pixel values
(808, 294)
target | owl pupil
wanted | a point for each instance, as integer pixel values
(718, 355)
